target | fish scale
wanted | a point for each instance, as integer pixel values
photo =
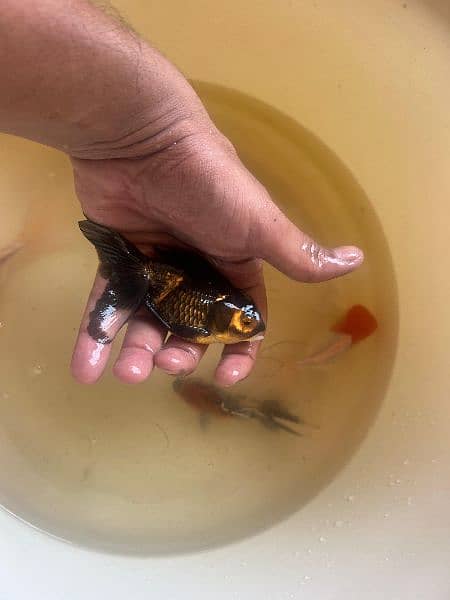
(189, 308)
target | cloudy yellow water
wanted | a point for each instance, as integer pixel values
(133, 468)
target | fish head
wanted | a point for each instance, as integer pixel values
(235, 321)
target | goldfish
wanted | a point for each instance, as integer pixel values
(356, 325)
(182, 289)
(210, 400)
(206, 398)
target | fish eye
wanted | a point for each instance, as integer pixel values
(249, 316)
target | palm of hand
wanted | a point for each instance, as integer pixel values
(168, 200)
(196, 193)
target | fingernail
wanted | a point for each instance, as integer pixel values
(348, 256)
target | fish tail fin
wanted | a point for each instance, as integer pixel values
(112, 248)
(121, 263)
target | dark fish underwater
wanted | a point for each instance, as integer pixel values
(182, 289)
(210, 400)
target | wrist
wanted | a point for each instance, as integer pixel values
(78, 80)
(152, 129)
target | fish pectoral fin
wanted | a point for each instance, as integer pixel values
(274, 410)
(155, 312)
(243, 411)
(269, 420)
(276, 423)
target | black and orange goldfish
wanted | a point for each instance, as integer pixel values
(182, 289)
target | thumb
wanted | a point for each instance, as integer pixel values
(288, 249)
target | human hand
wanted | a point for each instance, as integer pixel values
(149, 163)
(191, 189)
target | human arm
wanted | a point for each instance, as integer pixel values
(149, 162)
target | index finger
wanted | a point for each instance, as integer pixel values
(238, 360)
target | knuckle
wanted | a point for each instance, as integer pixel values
(317, 260)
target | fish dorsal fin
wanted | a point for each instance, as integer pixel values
(191, 263)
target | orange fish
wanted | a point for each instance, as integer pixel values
(202, 396)
(357, 324)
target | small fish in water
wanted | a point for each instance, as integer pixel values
(212, 401)
(357, 324)
(182, 289)
(204, 397)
